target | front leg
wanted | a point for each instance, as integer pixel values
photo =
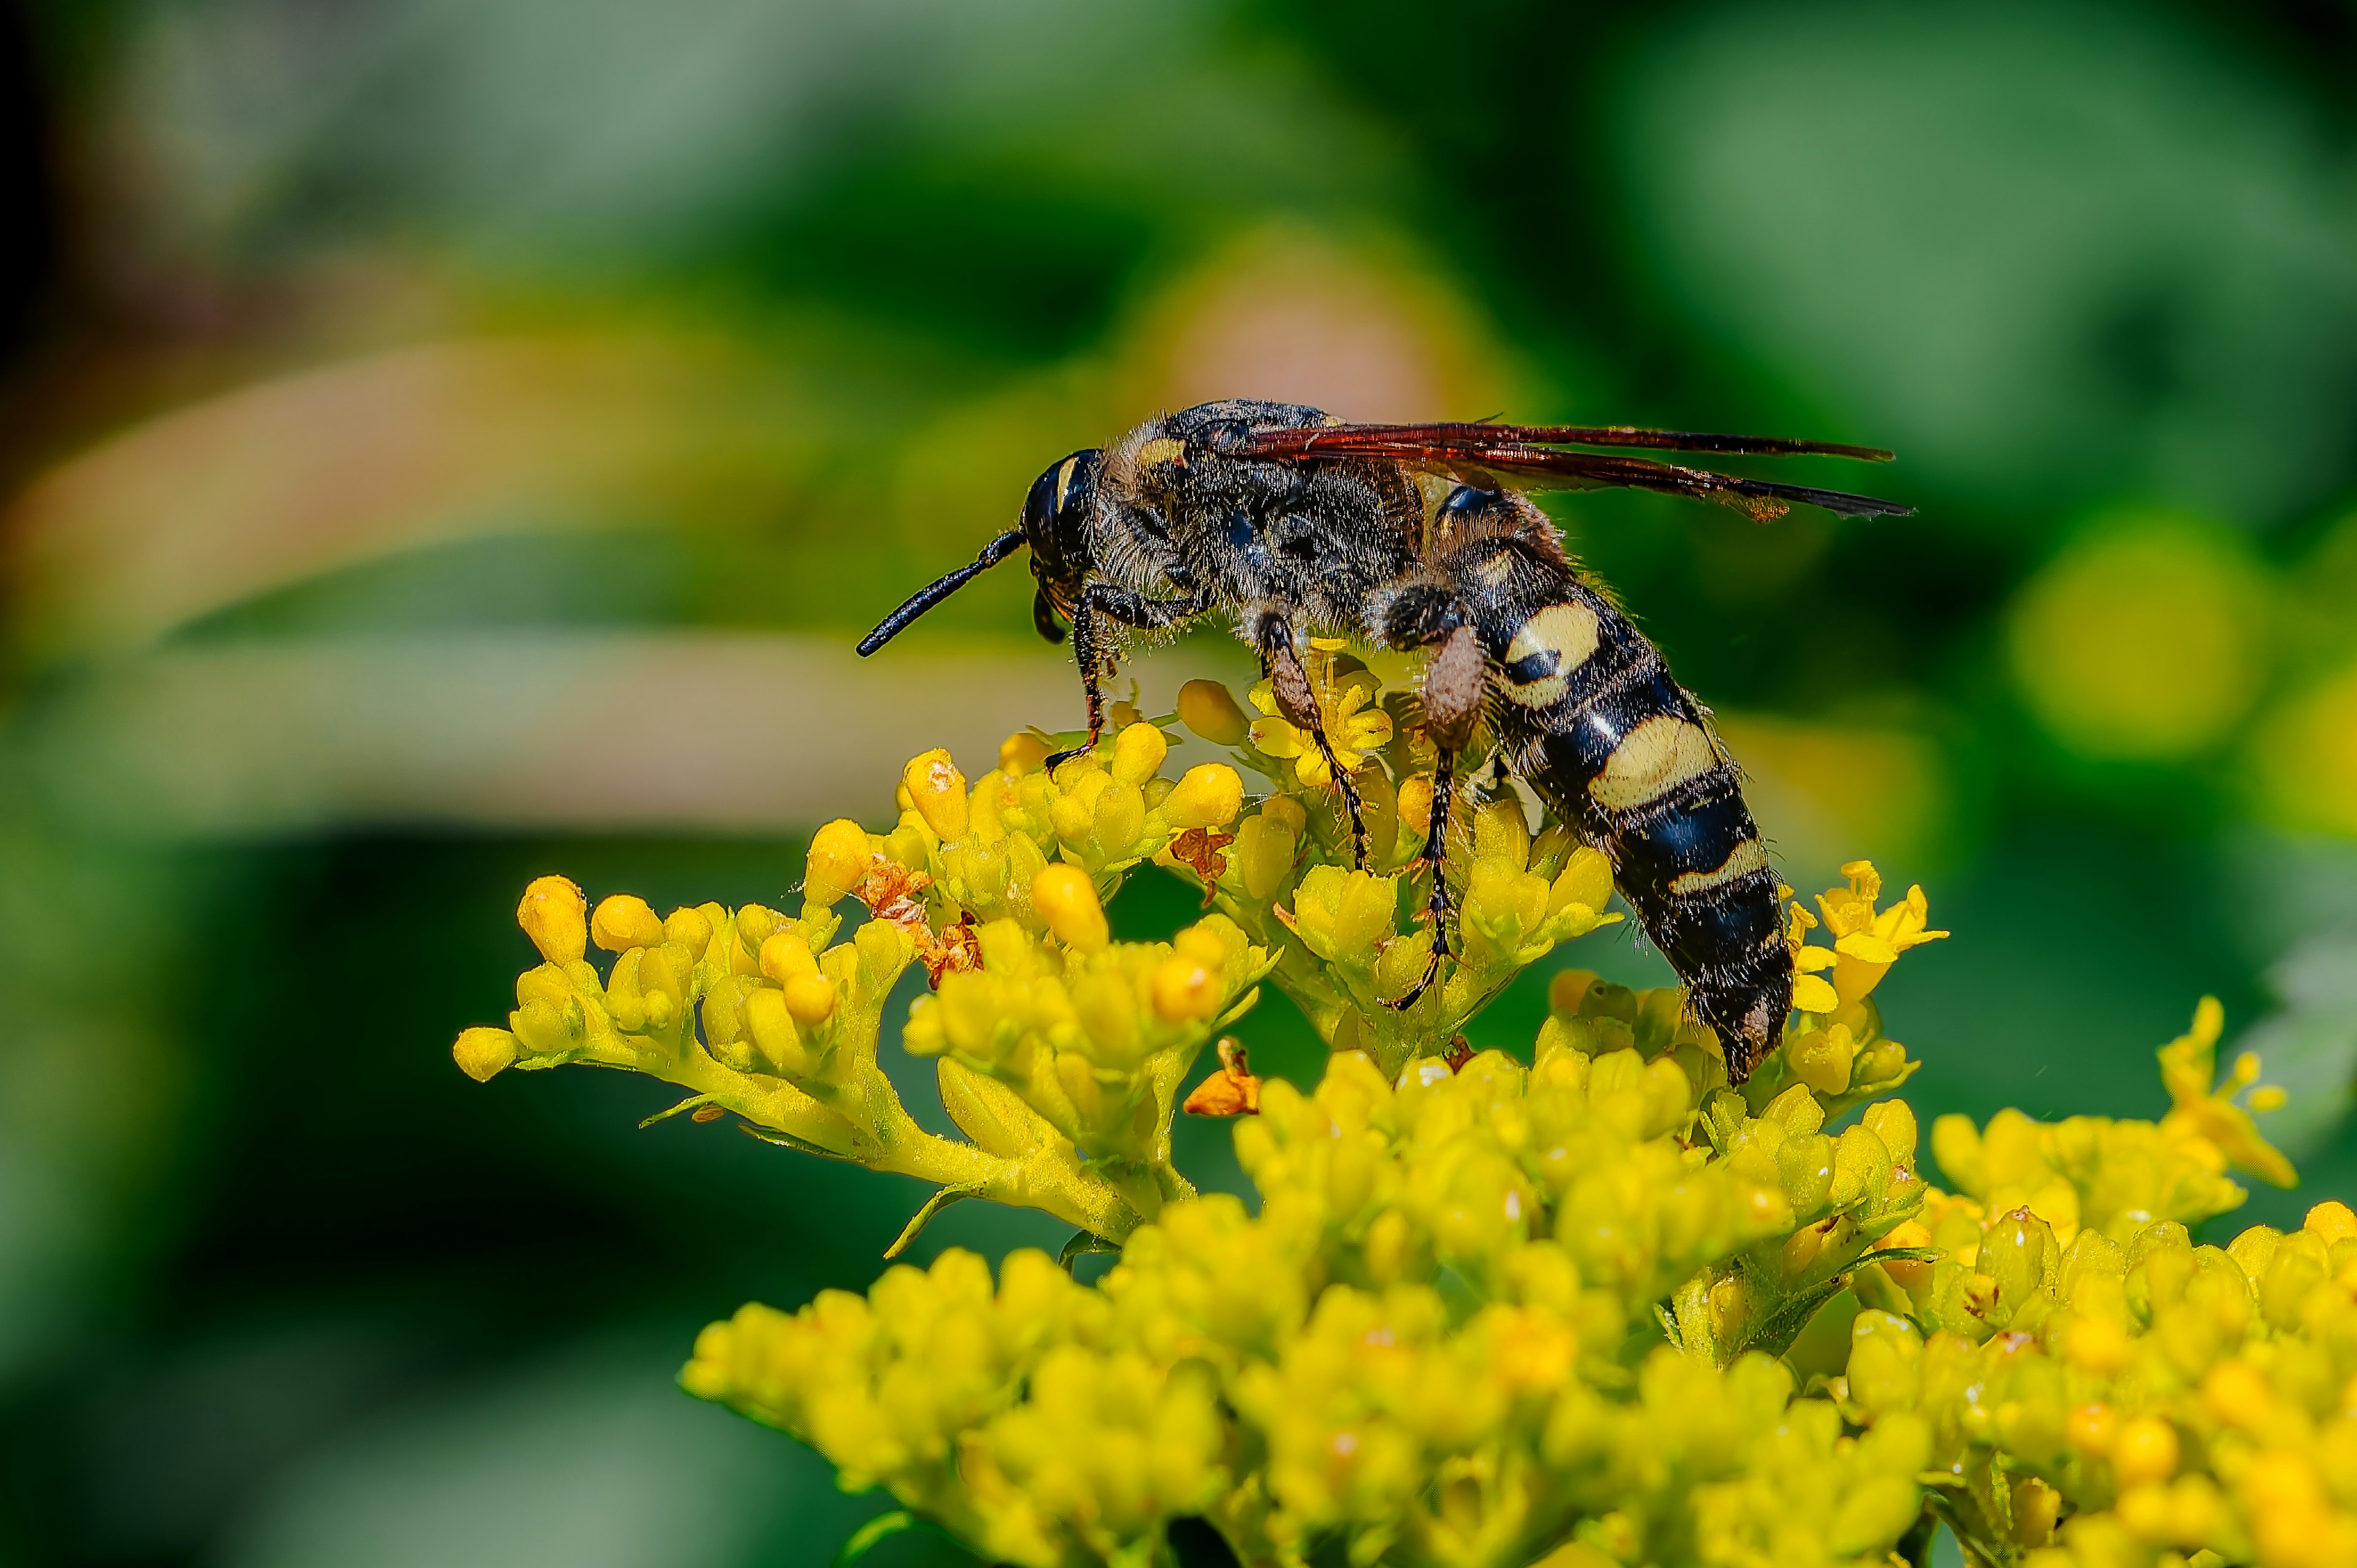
(1089, 651)
(1297, 702)
(1134, 609)
(1100, 603)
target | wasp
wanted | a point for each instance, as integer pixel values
(1294, 523)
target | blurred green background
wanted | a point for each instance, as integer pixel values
(451, 440)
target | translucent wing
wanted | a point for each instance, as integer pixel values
(1538, 452)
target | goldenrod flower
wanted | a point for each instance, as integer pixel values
(1599, 1309)
(1865, 942)
(1353, 726)
(2204, 1118)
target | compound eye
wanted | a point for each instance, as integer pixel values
(1468, 500)
(1075, 480)
(1040, 506)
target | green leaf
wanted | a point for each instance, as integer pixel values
(1780, 1327)
(788, 1141)
(862, 1540)
(1776, 1332)
(690, 1103)
(1082, 1243)
(924, 1216)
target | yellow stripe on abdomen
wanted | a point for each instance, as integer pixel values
(1550, 646)
(1750, 855)
(1652, 760)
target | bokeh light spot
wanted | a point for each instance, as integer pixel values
(2145, 639)
(2306, 761)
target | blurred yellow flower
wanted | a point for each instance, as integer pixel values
(2145, 638)
(2209, 1117)
(2305, 758)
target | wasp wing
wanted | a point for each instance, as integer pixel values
(1533, 452)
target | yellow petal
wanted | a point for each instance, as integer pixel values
(1867, 947)
(1276, 737)
(1810, 994)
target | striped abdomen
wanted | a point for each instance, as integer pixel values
(1592, 721)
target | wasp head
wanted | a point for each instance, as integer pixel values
(1056, 517)
(1056, 527)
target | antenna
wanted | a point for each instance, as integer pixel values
(940, 588)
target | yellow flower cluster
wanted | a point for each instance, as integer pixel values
(1503, 1315)
(1604, 1308)
(1834, 1042)
(1483, 1312)
(1061, 1050)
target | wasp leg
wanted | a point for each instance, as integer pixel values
(1129, 608)
(1089, 651)
(1435, 861)
(1115, 603)
(1289, 683)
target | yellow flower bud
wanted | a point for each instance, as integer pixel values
(2145, 1450)
(481, 1054)
(552, 916)
(1209, 796)
(785, 956)
(2237, 1393)
(1137, 754)
(772, 1027)
(1287, 809)
(2097, 1345)
(1186, 987)
(1067, 901)
(1885, 1361)
(1500, 832)
(2332, 1221)
(1118, 818)
(691, 928)
(1022, 753)
(2092, 1428)
(1821, 1057)
(809, 998)
(625, 921)
(1264, 853)
(1911, 1233)
(2036, 1507)
(1416, 806)
(839, 857)
(1586, 879)
(937, 793)
(1207, 708)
